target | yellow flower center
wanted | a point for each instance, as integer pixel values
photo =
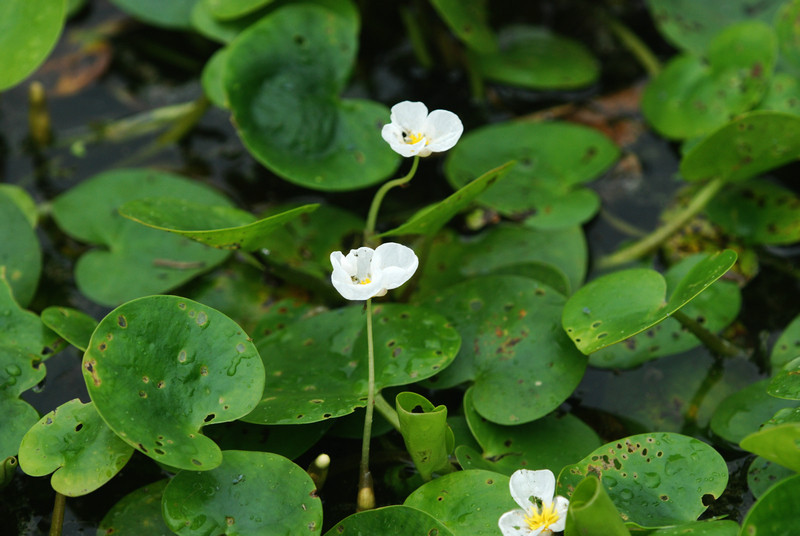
(415, 138)
(542, 519)
(366, 281)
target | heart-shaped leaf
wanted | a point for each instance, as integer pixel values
(23, 330)
(74, 444)
(592, 513)
(694, 95)
(428, 438)
(283, 77)
(219, 227)
(160, 368)
(249, 493)
(138, 261)
(28, 32)
(433, 217)
(138, 512)
(744, 148)
(553, 160)
(655, 480)
(522, 365)
(466, 502)
(317, 367)
(19, 250)
(536, 58)
(387, 520)
(19, 371)
(621, 304)
(71, 325)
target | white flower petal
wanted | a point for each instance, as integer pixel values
(443, 130)
(364, 272)
(562, 505)
(525, 484)
(513, 524)
(396, 262)
(409, 116)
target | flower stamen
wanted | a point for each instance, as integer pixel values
(543, 519)
(415, 138)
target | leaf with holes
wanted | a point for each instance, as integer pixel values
(71, 325)
(778, 440)
(555, 257)
(522, 365)
(219, 227)
(714, 309)
(783, 95)
(249, 493)
(763, 474)
(655, 480)
(387, 520)
(553, 159)
(428, 438)
(744, 148)
(19, 371)
(134, 260)
(621, 304)
(775, 512)
(318, 365)
(467, 502)
(160, 368)
(19, 251)
(433, 217)
(138, 512)
(693, 95)
(29, 30)
(591, 512)
(741, 413)
(536, 58)
(283, 77)
(530, 445)
(74, 444)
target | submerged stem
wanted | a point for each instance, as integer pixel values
(388, 412)
(717, 345)
(58, 515)
(372, 215)
(634, 45)
(654, 239)
(365, 478)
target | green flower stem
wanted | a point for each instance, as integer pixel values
(654, 239)
(372, 215)
(717, 345)
(58, 515)
(388, 412)
(634, 45)
(365, 478)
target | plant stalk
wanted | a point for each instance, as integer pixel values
(635, 46)
(372, 215)
(365, 493)
(717, 345)
(654, 239)
(388, 412)
(58, 515)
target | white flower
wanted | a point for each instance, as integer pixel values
(540, 513)
(365, 272)
(415, 132)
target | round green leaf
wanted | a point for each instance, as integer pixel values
(70, 324)
(19, 249)
(763, 474)
(775, 513)
(468, 21)
(779, 443)
(172, 14)
(388, 520)
(219, 227)
(467, 502)
(744, 411)
(73, 441)
(691, 25)
(744, 148)
(29, 30)
(222, 31)
(507, 249)
(317, 367)
(621, 304)
(137, 513)
(160, 368)
(787, 347)
(536, 58)
(523, 366)
(19, 371)
(714, 309)
(655, 480)
(23, 330)
(783, 95)
(531, 445)
(786, 383)
(758, 212)
(138, 261)
(283, 78)
(232, 9)
(250, 493)
(591, 512)
(23, 200)
(211, 78)
(553, 160)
